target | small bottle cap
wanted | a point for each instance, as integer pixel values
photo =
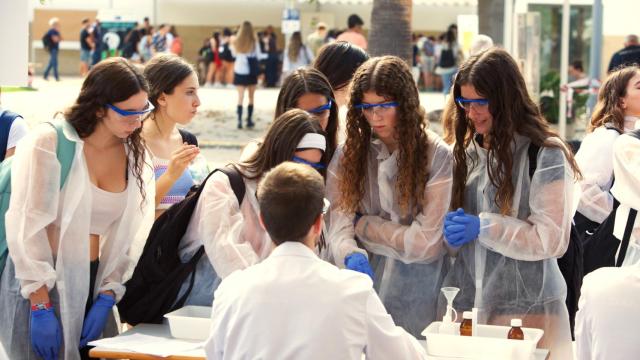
(516, 322)
(467, 315)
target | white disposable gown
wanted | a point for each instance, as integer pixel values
(594, 160)
(48, 238)
(406, 251)
(626, 168)
(510, 270)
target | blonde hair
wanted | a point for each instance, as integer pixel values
(53, 21)
(245, 41)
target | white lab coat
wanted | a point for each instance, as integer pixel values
(510, 270)
(295, 306)
(48, 230)
(594, 160)
(626, 189)
(607, 322)
(407, 250)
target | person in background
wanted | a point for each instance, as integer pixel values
(69, 247)
(54, 38)
(316, 39)
(225, 75)
(292, 280)
(160, 39)
(86, 45)
(354, 33)
(176, 42)
(428, 62)
(513, 218)
(480, 43)
(246, 68)
(389, 186)
(145, 46)
(628, 56)
(270, 47)
(617, 111)
(173, 91)
(415, 58)
(449, 56)
(98, 44)
(131, 40)
(338, 61)
(13, 128)
(214, 66)
(297, 56)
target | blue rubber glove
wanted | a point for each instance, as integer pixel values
(46, 335)
(358, 262)
(465, 228)
(96, 318)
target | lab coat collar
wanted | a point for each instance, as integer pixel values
(383, 151)
(631, 123)
(291, 248)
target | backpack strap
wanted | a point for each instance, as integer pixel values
(65, 151)
(624, 244)
(6, 121)
(533, 158)
(236, 181)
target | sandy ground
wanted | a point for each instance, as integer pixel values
(214, 125)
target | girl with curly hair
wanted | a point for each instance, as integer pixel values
(514, 217)
(389, 187)
(69, 246)
(617, 112)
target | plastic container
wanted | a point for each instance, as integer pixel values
(190, 322)
(489, 343)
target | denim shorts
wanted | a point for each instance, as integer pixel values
(85, 55)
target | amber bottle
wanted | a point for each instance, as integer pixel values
(465, 326)
(515, 333)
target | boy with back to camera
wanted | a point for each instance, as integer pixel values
(294, 305)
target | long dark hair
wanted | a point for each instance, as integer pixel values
(304, 81)
(495, 76)
(390, 77)
(338, 61)
(609, 107)
(111, 81)
(281, 142)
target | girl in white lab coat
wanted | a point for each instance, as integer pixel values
(230, 232)
(389, 186)
(617, 112)
(513, 226)
(68, 248)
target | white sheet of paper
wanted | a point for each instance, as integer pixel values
(148, 344)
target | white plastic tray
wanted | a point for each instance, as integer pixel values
(190, 322)
(490, 343)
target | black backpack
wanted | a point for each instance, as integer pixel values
(571, 264)
(154, 286)
(46, 41)
(447, 58)
(600, 247)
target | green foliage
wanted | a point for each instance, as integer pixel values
(550, 96)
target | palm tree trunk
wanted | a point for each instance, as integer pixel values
(391, 29)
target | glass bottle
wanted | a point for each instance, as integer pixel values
(515, 333)
(465, 326)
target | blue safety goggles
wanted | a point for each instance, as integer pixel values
(318, 166)
(321, 109)
(386, 105)
(122, 112)
(467, 103)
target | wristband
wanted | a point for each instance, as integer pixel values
(41, 306)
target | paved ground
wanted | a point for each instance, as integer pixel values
(215, 124)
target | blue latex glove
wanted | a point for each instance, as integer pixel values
(46, 335)
(96, 318)
(462, 229)
(358, 262)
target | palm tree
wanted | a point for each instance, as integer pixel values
(390, 32)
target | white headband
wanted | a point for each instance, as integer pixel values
(313, 141)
